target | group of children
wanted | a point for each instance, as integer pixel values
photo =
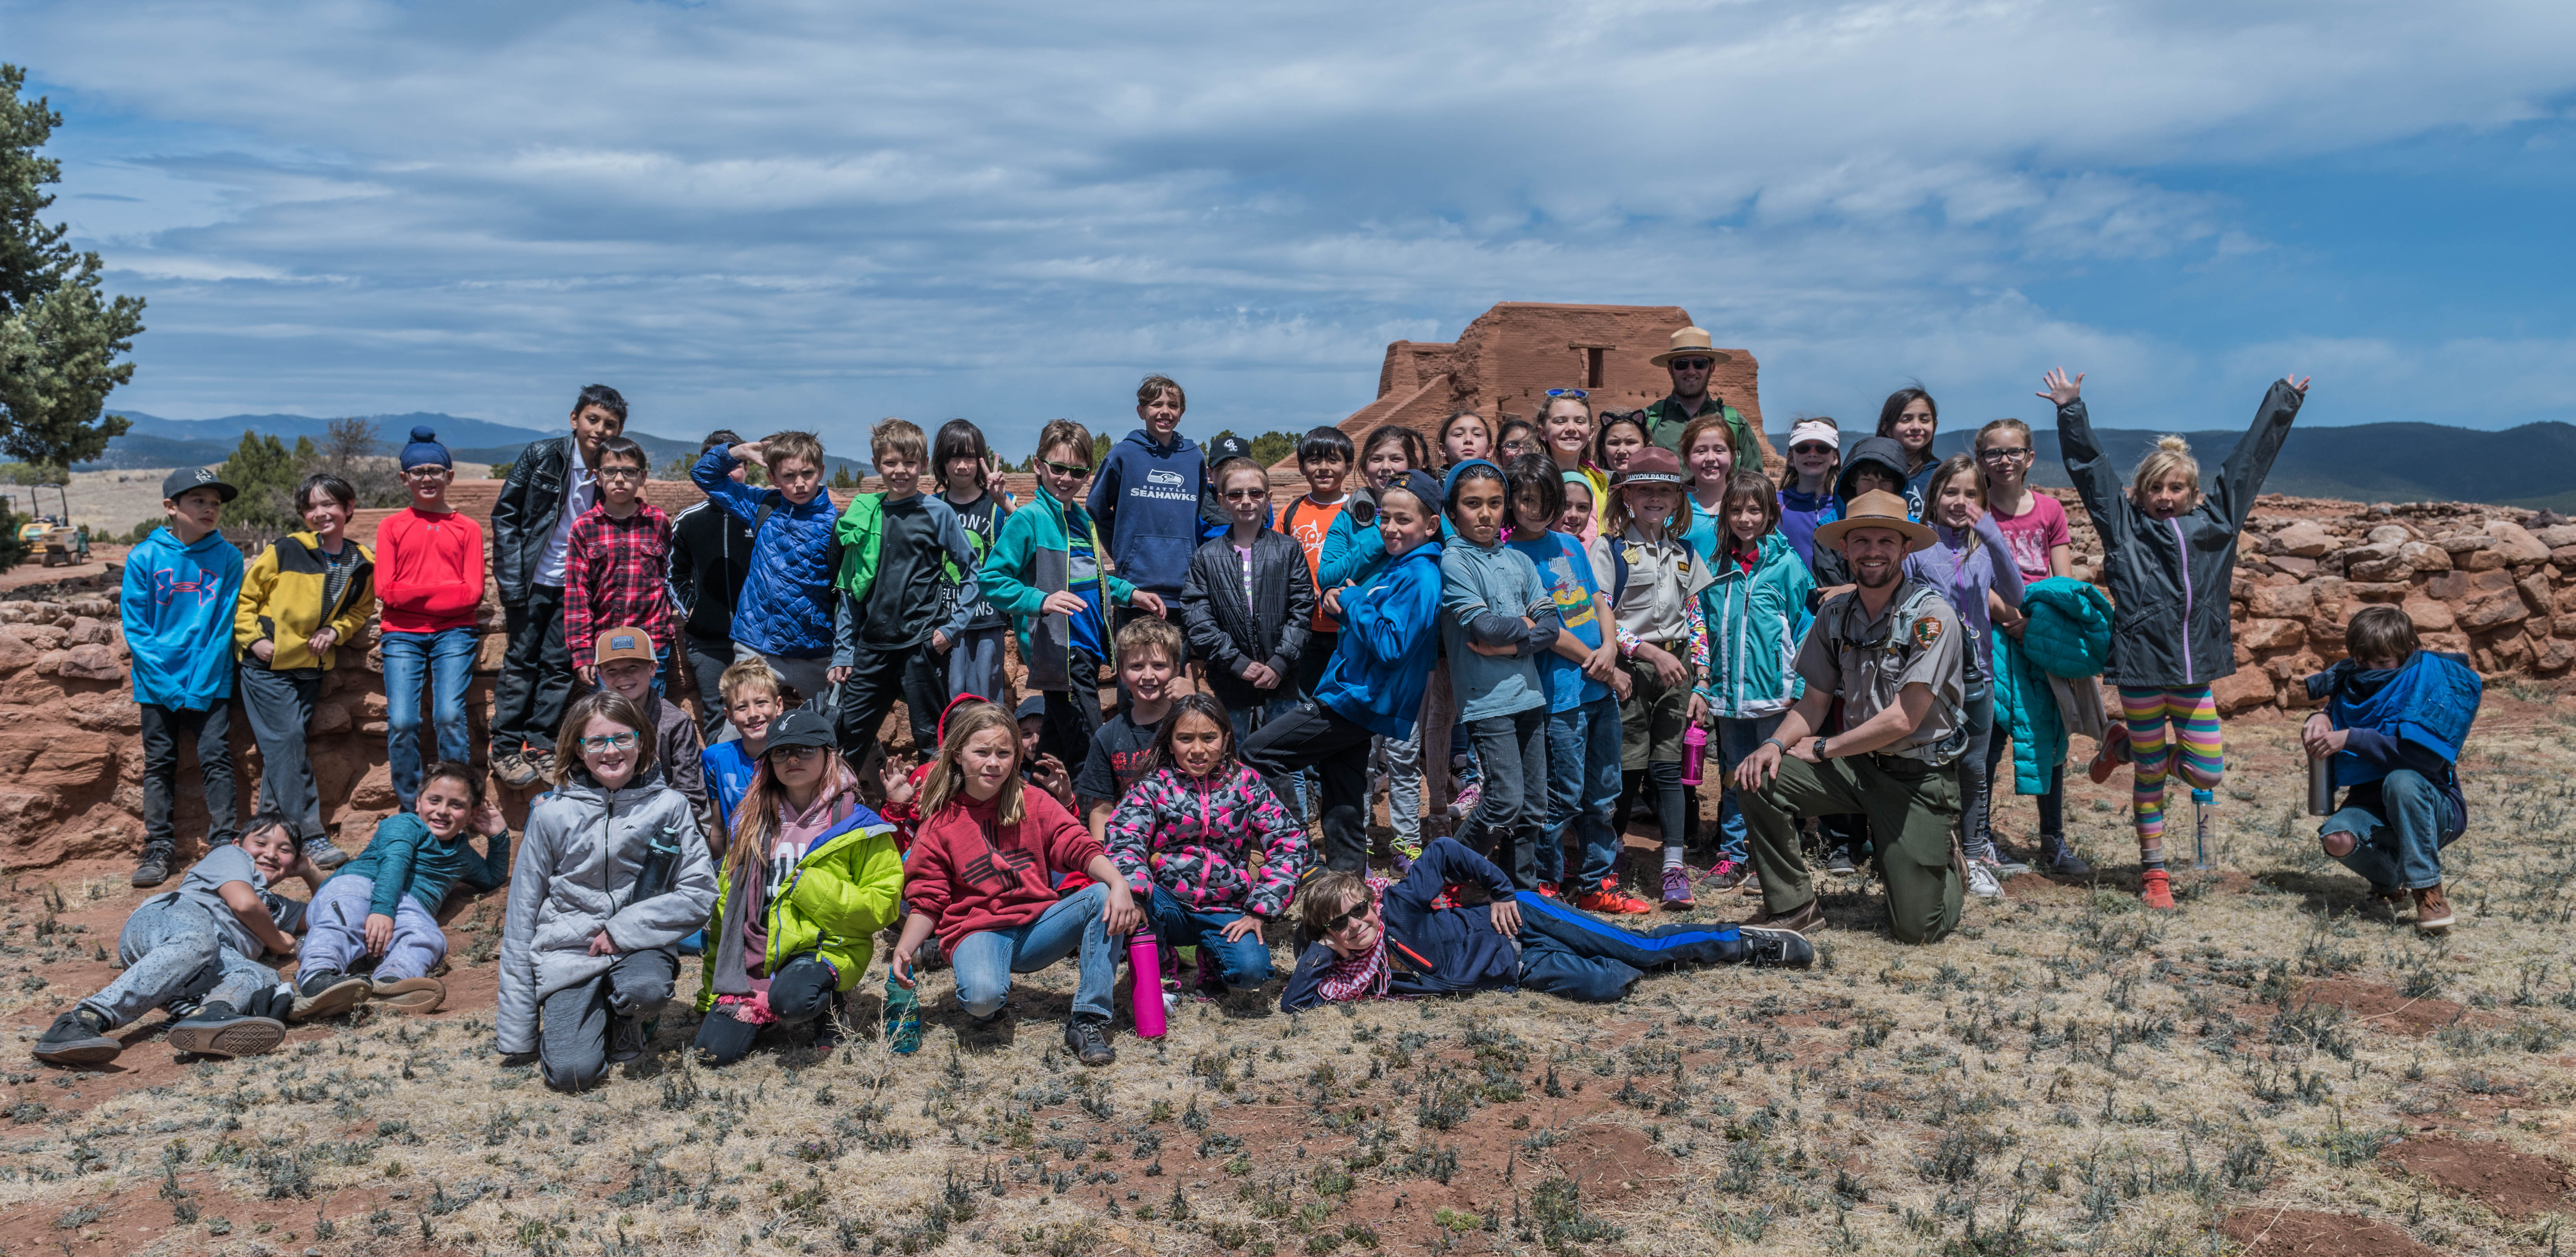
(1581, 608)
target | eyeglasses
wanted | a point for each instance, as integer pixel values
(1576, 393)
(621, 473)
(1068, 469)
(1246, 495)
(428, 473)
(610, 742)
(1693, 364)
(1336, 925)
(795, 753)
(2000, 455)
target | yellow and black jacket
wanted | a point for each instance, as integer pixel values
(281, 601)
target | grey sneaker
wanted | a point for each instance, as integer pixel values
(154, 868)
(1982, 883)
(513, 770)
(1769, 948)
(1088, 1039)
(2060, 859)
(78, 1037)
(326, 993)
(625, 1039)
(323, 855)
(218, 1030)
(1839, 860)
(2001, 865)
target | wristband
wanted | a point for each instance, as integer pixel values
(1784, 747)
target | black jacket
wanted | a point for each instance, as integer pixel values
(2169, 578)
(710, 557)
(1227, 633)
(1885, 454)
(531, 500)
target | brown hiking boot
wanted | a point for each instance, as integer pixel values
(1806, 918)
(2432, 911)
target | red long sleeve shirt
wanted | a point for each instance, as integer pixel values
(429, 570)
(968, 872)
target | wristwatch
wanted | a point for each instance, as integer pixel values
(1820, 746)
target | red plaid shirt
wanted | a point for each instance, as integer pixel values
(617, 572)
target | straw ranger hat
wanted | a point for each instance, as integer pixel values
(1875, 509)
(1692, 342)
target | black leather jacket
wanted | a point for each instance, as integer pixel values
(531, 501)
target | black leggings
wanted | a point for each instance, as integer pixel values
(802, 991)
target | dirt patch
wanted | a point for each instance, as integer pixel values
(2515, 1184)
(2382, 1008)
(2299, 1233)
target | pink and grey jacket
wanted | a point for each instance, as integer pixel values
(1197, 840)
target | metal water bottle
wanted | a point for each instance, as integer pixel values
(2204, 805)
(2321, 787)
(1145, 956)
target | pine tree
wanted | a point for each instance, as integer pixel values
(59, 337)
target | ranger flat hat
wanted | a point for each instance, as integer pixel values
(1875, 509)
(1692, 342)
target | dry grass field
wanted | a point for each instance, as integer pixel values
(2278, 1068)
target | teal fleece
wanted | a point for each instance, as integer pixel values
(404, 858)
(1755, 621)
(1008, 580)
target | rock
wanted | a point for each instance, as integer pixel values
(2270, 635)
(2429, 615)
(2493, 611)
(2425, 558)
(16, 655)
(2463, 543)
(2283, 602)
(88, 632)
(2304, 539)
(487, 657)
(2535, 593)
(2554, 656)
(54, 758)
(2510, 652)
(2449, 586)
(92, 662)
(2456, 643)
(2242, 689)
(2483, 560)
(329, 718)
(2563, 626)
(2292, 565)
(41, 636)
(2390, 534)
(2556, 535)
(2292, 666)
(2378, 590)
(2564, 557)
(2517, 545)
(2392, 568)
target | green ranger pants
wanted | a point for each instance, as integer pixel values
(1915, 803)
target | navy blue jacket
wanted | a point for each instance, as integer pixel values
(1146, 501)
(1431, 951)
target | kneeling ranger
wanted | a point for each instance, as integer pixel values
(1890, 649)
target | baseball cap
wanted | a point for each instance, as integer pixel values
(187, 478)
(801, 728)
(1033, 705)
(624, 642)
(1652, 465)
(1227, 446)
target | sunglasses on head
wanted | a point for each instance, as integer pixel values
(1335, 925)
(1576, 393)
(1693, 364)
(1812, 447)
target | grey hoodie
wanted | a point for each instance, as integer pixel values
(575, 876)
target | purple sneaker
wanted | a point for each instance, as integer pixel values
(1677, 889)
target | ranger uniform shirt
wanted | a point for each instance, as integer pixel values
(1867, 660)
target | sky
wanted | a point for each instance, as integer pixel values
(814, 215)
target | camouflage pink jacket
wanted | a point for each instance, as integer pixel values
(1199, 840)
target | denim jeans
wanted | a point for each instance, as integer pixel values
(1582, 787)
(1976, 834)
(1244, 964)
(2398, 843)
(986, 959)
(176, 958)
(1512, 813)
(1736, 739)
(446, 660)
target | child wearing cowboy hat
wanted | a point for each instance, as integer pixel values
(1663, 641)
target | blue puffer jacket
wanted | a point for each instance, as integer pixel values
(2069, 635)
(786, 604)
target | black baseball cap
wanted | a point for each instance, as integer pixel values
(1228, 446)
(187, 478)
(1033, 705)
(800, 728)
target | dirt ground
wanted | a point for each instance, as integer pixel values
(2280, 1068)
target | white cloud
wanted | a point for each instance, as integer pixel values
(1012, 210)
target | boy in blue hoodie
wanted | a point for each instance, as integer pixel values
(1496, 618)
(2396, 717)
(1374, 684)
(1146, 497)
(181, 586)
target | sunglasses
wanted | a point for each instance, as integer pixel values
(1576, 393)
(1246, 495)
(795, 754)
(2000, 455)
(1693, 364)
(1335, 925)
(1068, 469)
(610, 742)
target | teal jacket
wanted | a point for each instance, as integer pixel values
(404, 858)
(1009, 579)
(2069, 635)
(1755, 621)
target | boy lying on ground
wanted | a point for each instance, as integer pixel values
(385, 903)
(1377, 938)
(195, 951)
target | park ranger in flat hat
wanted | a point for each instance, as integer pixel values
(1891, 650)
(1690, 359)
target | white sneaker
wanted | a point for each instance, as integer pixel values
(1982, 883)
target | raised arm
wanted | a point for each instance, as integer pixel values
(2251, 461)
(713, 474)
(2097, 482)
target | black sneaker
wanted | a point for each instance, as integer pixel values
(1839, 860)
(2059, 860)
(323, 855)
(217, 1030)
(326, 993)
(626, 1036)
(1780, 949)
(78, 1037)
(1087, 1037)
(154, 868)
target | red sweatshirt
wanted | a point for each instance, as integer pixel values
(968, 873)
(429, 570)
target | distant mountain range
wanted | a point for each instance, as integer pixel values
(2530, 466)
(153, 441)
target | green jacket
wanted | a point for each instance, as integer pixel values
(1665, 420)
(1009, 579)
(860, 535)
(846, 888)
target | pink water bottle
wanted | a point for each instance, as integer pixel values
(1694, 753)
(1145, 956)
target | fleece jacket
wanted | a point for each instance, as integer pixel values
(178, 617)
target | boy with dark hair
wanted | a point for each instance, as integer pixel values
(2396, 717)
(710, 558)
(1246, 606)
(784, 614)
(617, 565)
(306, 595)
(1149, 660)
(964, 468)
(429, 576)
(196, 950)
(622, 662)
(551, 484)
(1146, 496)
(181, 585)
(894, 621)
(1324, 458)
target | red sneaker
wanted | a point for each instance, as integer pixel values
(1609, 900)
(1547, 890)
(2158, 891)
(2114, 752)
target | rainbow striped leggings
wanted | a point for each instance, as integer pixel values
(2194, 717)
